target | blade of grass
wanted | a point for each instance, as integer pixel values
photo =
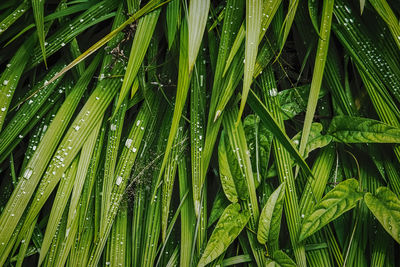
(253, 27)
(38, 14)
(320, 59)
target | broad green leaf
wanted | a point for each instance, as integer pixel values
(270, 218)
(336, 202)
(385, 206)
(362, 130)
(280, 259)
(259, 140)
(229, 226)
(315, 139)
(254, 10)
(219, 204)
(320, 59)
(226, 177)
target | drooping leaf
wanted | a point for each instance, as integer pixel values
(280, 259)
(259, 141)
(229, 226)
(336, 202)
(362, 130)
(270, 218)
(227, 182)
(385, 206)
(315, 139)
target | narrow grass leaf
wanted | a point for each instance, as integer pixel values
(320, 59)
(254, 10)
(38, 14)
(198, 15)
(270, 123)
(383, 9)
(14, 16)
(141, 41)
(150, 6)
(11, 75)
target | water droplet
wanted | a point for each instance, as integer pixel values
(128, 143)
(119, 180)
(5, 82)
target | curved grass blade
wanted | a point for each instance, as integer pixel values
(11, 75)
(385, 206)
(283, 163)
(229, 226)
(29, 109)
(270, 123)
(150, 6)
(173, 18)
(145, 119)
(198, 14)
(254, 10)
(38, 162)
(14, 16)
(59, 205)
(383, 9)
(38, 14)
(336, 202)
(320, 59)
(141, 41)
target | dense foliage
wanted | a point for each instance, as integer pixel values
(198, 132)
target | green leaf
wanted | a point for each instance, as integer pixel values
(141, 41)
(38, 13)
(336, 202)
(315, 139)
(271, 124)
(198, 13)
(280, 259)
(320, 59)
(226, 177)
(385, 206)
(362, 130)
(253, 26)
(218, 207)
(270, 218)
(229, 226)
(259, 141)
